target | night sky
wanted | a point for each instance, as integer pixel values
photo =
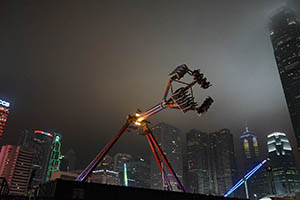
(79, 67)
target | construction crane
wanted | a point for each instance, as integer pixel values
(245, 178)
(182, 99)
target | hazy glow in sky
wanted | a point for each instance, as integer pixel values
(80, 67)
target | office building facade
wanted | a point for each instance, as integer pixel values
(16, 167)
(285, 37)
(251, 158)
(222, 161)
(169, 140)
(282, 161)
(55, 155)
(211, 162)
(47, 153)
(139, 172)
(197, 157)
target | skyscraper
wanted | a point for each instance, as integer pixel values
(197, 156)
(16, 166)
(55, 155)
(47, 153)
(222, 161)
(4, 110)
(250, 148)
(211, 162)
(139, 172)
(250, 158)
(169, 140)
(285, 36)
(285, 174)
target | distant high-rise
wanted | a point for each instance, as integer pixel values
(16, 166)
(69, 161)
(222, 161)
(282, 161)
(47, 153)
(250, 149)
(139, 172)
(197, 157)
(211, 162)
(55, 156)
(41, 143)
(108, 163)
(251, 158)
(169, 140)
(4, 110)
(285, 36)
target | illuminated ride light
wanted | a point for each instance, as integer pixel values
(246, 177)
(182, 99)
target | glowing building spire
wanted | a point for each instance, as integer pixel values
(247, 129)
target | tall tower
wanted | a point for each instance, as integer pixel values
(250, 149)
(47, 153)
(169, 140)
(55, 155)
(251, 158)
(285, 36)
(197, 156)
(285, 174)
(16, 166)
(4, 110)
(222, 160)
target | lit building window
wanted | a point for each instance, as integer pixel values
(246, 147)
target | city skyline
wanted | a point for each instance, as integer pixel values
(72, 82)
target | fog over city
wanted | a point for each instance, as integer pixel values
(78, 68)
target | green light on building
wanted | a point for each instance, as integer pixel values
(55, 156)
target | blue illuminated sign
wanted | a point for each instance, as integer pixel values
(4, 103)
